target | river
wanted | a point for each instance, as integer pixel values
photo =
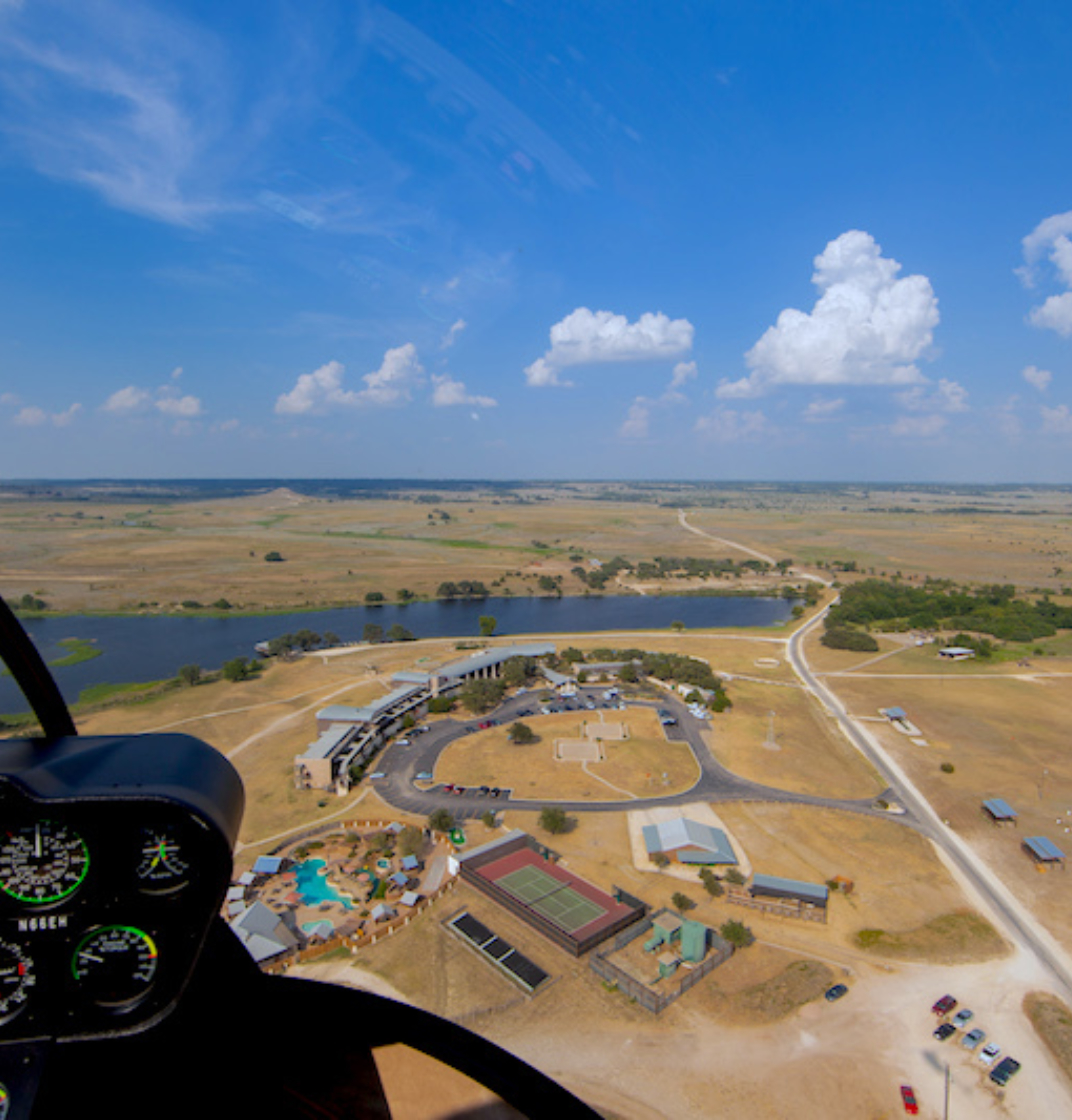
(153, 647)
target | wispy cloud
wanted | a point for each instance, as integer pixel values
(323, 390)
(120, 98)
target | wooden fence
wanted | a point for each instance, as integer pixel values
(780, 908)
(648, 998)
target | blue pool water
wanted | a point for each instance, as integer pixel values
(314, 887)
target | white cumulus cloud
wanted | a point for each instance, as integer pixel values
(868, 327)
(637, 420)
(587, 337)
(1051, 239)
(322, 390)
(166, 399)
(32, 416)
(1038, 378)
(447, 392)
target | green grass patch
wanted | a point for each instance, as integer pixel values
(962, 935)
(78, 650)
(1052, 1021)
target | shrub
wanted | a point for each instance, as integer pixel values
(947, 768)
(737, 934)
(554, 820)
(682, 902)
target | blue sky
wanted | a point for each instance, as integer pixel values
(534, 239)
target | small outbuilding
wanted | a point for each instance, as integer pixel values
(770, 886)
(956, 653)
(1044, 852)
(999, 811)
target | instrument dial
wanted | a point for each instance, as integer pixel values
(16, 980)
(162, 865)
(42, 862)
(115, 965)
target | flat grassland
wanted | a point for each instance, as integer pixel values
(646, 764)
(94, 554)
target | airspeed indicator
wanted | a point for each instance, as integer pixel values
(42, 862)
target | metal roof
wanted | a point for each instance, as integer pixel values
(793, 886)
(488, 657)
(998, 808)
(1044, 848)
(669, 836)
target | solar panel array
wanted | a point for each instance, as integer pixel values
(501, 952)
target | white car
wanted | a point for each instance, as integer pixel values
(988, 1053)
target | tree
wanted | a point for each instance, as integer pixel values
(410, 840)
(373, 633)
(710, 883)
(441, 820)
(682, 902)
(374, 597)
(737, 934)
(554, 820)
(190, 674)
(273, 557)
(487, 625)
(521, 733)
(237, 669)
(628, 673)
(482, 694)
(735, 876)
(398, 633)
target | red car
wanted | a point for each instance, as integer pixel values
(909, 1098)
(944, 1005)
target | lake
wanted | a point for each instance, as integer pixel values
(152, 647)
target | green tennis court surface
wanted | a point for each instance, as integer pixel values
(557, 902)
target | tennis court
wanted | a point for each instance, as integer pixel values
(558, 902)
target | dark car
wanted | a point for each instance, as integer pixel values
(485, 789)
(944, 1005)
(944, 1031)
(836, 992)
(1001, 1073)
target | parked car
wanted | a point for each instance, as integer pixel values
(944, 1005)
(908, 1097)
(401, 742)
(836, 992)
(962, 1018)
(449, 788)
(989, 1052)
(424, 776)
(972, 1039)
(458, 790)
(1001, 1073)
(944, 1031)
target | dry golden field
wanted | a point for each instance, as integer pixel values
(114, 555)
(645, 764)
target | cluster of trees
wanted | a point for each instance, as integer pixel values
(303, 640)
(374, 633)
(30, 603)
(662, 666)
(992, 609)
(596, 578)
(461, 589)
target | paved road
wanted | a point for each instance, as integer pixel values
(1008, 912)
(401, 765)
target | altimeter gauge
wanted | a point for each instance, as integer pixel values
(42, 862)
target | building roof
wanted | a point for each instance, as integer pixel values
(998, 808)
(498, 842)
(410, 863)
(896, 713)
(791, 886)
(410, 898)
(484, 659)
(267, 865)
(1043, 848)
(263, 932)
(342, 713)
(670, 836)
(330, 740)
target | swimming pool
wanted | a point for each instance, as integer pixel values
(313, 886)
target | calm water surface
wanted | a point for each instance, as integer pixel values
(147, 648)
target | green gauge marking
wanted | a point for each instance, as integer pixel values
(163, 865)
(115, 965)
(42, 862)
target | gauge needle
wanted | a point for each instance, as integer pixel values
(37, 841)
